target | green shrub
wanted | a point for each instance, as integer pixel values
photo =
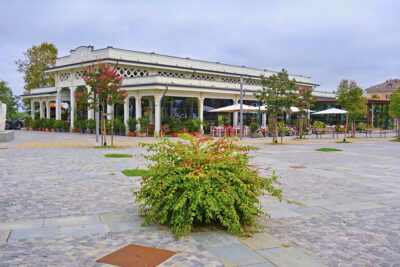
(144, 122)
(361, 126)
(254, 126)
(319, 124)
(58, 124)
(132, 124)
(119, 125)
(202, 181)
(193, 125)
(175, 124)
(91, 124)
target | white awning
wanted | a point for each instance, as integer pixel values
(236, 108)
(330, 111)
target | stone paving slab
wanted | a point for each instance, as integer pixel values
(236, 255)
(25, 224)
(71, 221)
(81, 230)
(354, 206)
(261, 241)
(4, 236)
(289, 257)
(33, 233)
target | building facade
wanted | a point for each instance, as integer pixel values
(150, 79)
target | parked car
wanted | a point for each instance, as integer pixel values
(14, 124)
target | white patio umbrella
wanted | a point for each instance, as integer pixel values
(296, 109)
(330, 111)
(236, 108)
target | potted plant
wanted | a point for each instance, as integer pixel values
(176, 126)
(132, 124)
(51, 123)
(119, 127)
(28, 123)
(254, 129)
(58, 125)
(65, 126)
(90, 126)
(82, 125)
(194, 126)
(144, 122)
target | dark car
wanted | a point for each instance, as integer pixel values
(14, 124)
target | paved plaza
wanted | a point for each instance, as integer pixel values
(62, 203)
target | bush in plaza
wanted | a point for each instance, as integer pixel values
(201, 181)
(132, 124)
(319, 124)
(91, 125)
(361, 126)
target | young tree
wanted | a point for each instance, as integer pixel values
(279, 93)
(37, 60)
(304, 102)
(351, 98)
(7, 97)
(394, 110)
(105, 84)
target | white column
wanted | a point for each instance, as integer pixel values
(264, 119)
(90, 101)
(201, 112)
(235, 114)
(151, 116)
(126, 112)
(32, 109)
(58, 104)
(138, 109)
(48, 109)
(72, 106)
(157, 115)
(109, 111)
(41, 109)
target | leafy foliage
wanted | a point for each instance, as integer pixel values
(328, 149)
(105, 84)
(304, 102)
(279, 93)
(144, 122)
(351, 98)
(118, 155)
(135, 172)
(7, 97)
(175, 124)
(319, 124)
(202, 181)
(394, 110)
(132, 124)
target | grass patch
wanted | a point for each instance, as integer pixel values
(395, 140)
(135, 172)
(328, 149)
(104, 147)
(118, 156)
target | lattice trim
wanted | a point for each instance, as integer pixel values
(64, 76)
(132, 72)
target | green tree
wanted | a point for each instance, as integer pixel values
(394, 110)
(105, 84)
(7, 97)
(36, 60)
(279, 93)
(351, 98)
(304, 102)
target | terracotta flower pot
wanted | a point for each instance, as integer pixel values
(76, 130)
(142, 134)
(132, 134)
(175, 134)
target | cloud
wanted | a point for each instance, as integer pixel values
(327, 40)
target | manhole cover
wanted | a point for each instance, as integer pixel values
(135, 255)
(297, 167)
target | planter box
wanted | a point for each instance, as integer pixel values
(175, 134)
(75, 130)
(142, 134)
(132, 134)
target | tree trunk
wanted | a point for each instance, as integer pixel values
(301, 126)
(274, 129)
(112, 129)
(104, 129)
(347, 125)
(353, 128)
(398, 129)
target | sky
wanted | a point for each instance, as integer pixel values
(328, 40)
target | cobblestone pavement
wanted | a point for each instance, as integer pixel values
(62, 203)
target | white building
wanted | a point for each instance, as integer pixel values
(148, 77)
